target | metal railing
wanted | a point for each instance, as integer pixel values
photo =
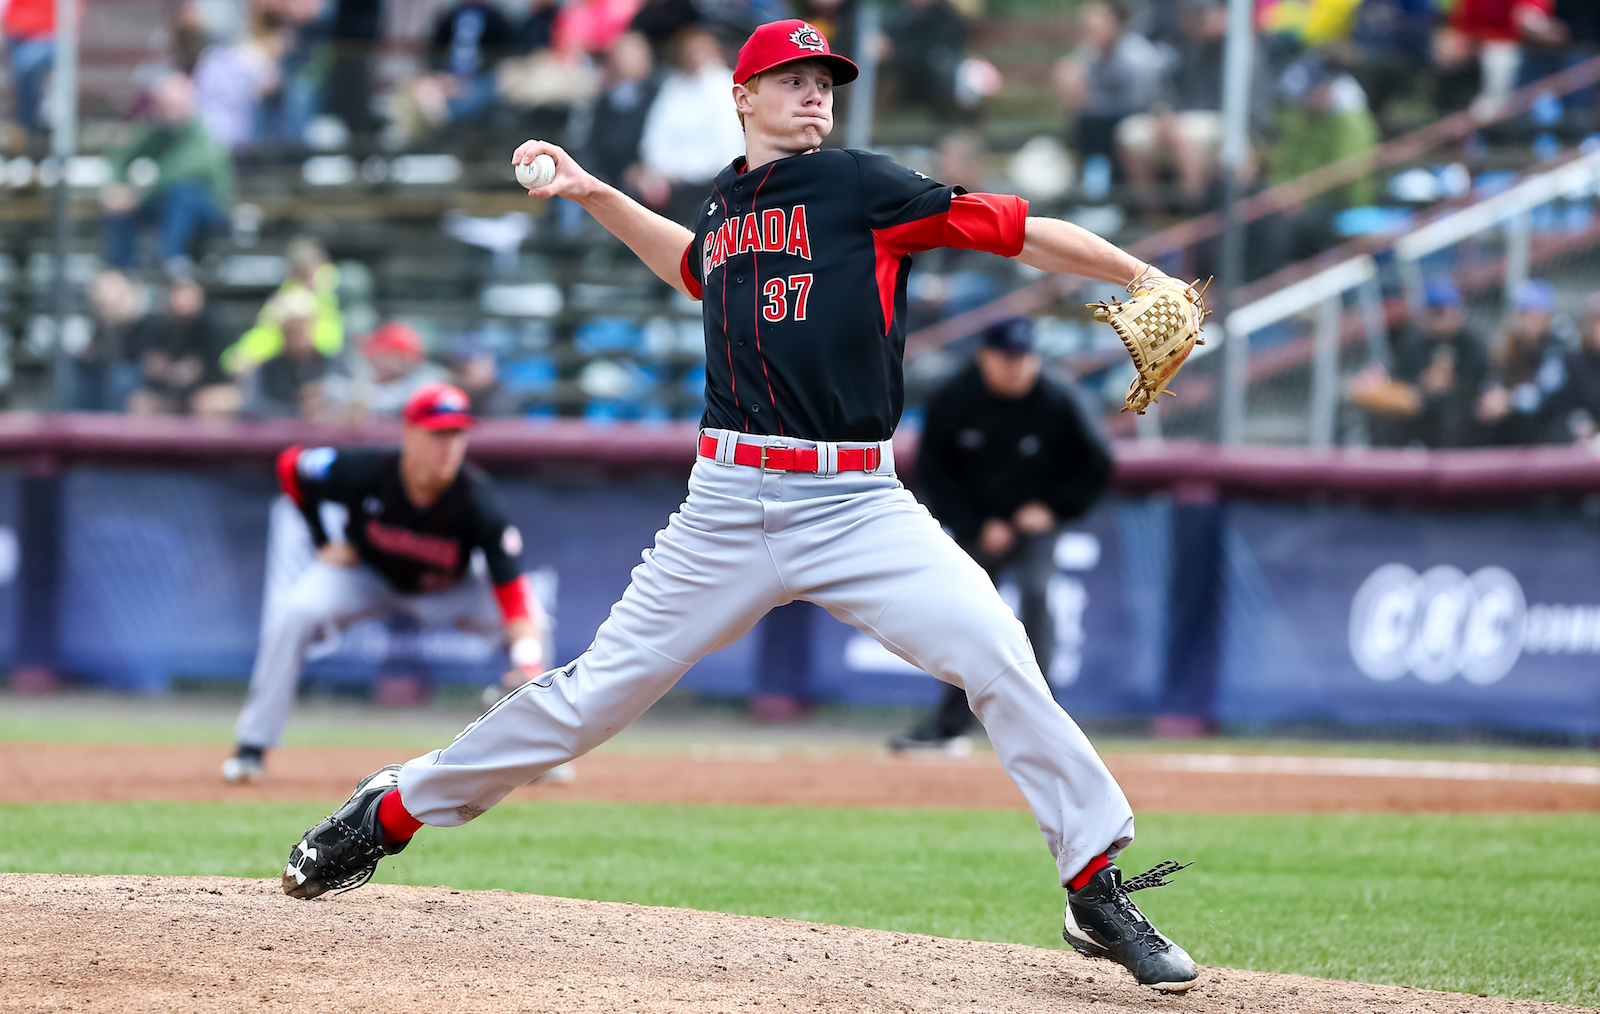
(1351, 319)
(1173, 248)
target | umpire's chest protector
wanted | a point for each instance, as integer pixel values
(802, 264)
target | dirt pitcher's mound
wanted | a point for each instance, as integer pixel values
(220, 944)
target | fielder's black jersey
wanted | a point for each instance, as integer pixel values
(417, 549)
(801, 265)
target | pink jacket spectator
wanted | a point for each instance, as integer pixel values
(591, 25)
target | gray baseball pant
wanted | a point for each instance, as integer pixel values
(327, 596)
(745, 541)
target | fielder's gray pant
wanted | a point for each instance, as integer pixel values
(745, 541)
(325, 596)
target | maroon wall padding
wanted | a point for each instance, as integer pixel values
(1465, 478)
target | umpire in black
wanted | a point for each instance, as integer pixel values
(1006, 458)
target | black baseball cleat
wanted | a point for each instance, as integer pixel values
(1103, 922)
(342, 852)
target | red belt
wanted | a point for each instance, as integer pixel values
(792, 459)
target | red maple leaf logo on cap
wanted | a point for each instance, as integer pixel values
(807, 37)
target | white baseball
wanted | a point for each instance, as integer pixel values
(540, 173)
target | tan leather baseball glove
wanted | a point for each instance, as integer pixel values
(1160, 325)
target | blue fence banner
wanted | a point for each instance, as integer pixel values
(1394, 617)
(167, 574)
(162, 574)
(1108, 654)
(10, 561)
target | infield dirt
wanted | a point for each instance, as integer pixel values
(94, 772)
(217, 944)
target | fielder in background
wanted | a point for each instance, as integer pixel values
(800, 256)
(415, 517)
(1006, 457)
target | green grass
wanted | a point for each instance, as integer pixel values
(1495, 904)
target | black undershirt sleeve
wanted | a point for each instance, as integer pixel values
(500, 541)
(333, 476)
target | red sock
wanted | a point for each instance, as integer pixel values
(398, 824)
(1077, 883)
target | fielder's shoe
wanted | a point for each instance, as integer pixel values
(342, 852)
(561, 774)
(244, 767)
(929, 738)
(1103, 922)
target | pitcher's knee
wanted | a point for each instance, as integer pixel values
(1019, 677)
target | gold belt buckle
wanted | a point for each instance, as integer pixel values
(764, 468)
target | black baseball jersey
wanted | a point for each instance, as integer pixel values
(417, 549)
(801, 265)
(983, 456)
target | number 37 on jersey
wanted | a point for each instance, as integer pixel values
(782, 294)
(772, 230)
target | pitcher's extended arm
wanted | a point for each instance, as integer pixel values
(657, 241)
(1063, 248)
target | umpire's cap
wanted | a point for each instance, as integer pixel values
(1441, 294)
(780, 42)
(1536, 295)
(1013, 336)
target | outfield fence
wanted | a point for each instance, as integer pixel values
(1360, 587)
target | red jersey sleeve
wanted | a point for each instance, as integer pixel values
(686, 269)
(989, 222)
(513, 598)
(289, 474)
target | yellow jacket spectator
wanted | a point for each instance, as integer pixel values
(309, 271)
(1313, 22)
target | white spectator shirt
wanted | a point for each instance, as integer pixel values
(692, 130)
(363, 391)
(1126, 80)
(228, 84)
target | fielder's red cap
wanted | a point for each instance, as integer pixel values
(438, 407)
(780, 42)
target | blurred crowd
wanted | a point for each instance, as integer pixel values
(1535, 380)
(1330, 79)
(154, 349)
(639, 91)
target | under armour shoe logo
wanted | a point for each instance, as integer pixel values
(297, 869)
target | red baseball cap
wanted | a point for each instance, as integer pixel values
(395, 338)
(438, 407)
(780, 42)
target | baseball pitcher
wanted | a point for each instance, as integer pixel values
(799, 256)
